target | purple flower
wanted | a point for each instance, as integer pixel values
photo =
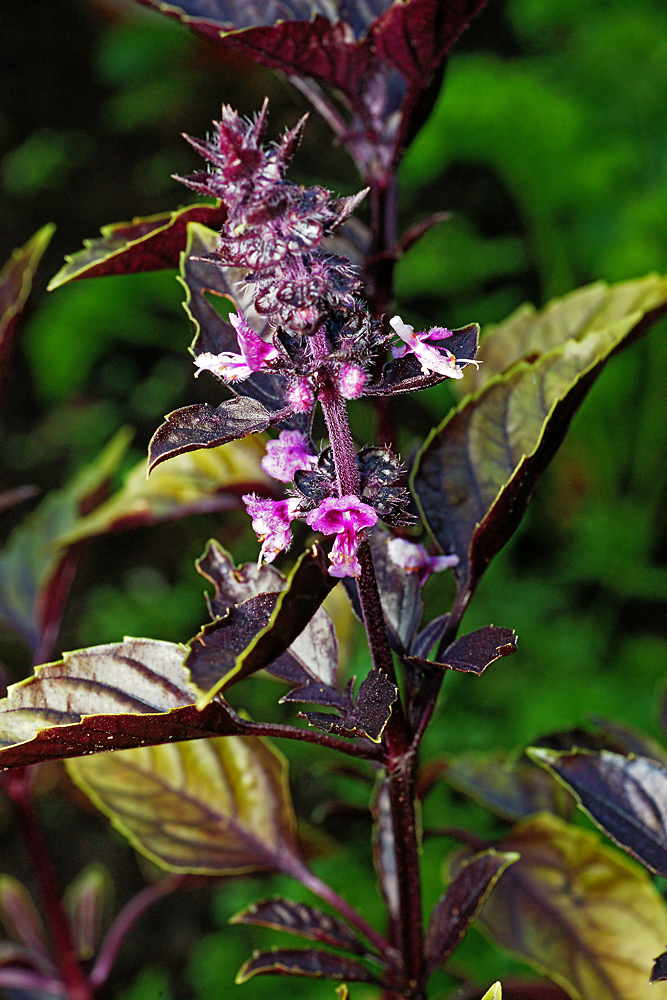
(255, 352)
(415, 559)
(271, 521)
(431, 359)
(345, 517)
(286, 455)
(350, 381)
(301, 395)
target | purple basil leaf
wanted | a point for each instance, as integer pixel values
(473, 653)
(204, 426)
(429, 635)
(235, 584)
(299, 918)
(475, 475)
(154, 243)
(112, 697)
(405, 374)
(312, 694)
(369, 714)
(307, 586)
(15, 285)
(659, 970)
(625, 796)
(214, 650)
(215, 335)
(308, 962)
(400, 592)
(458, 906)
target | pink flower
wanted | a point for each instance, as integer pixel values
(301, 396)
(271, 521)
(286, 455)
(351, 380)
(415, 559)
(345, 517)
(431, 359)
(255, 352)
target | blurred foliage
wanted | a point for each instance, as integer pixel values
(549, 146)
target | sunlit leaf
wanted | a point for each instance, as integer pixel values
(203, 426)
(149, 244)
(508, 786)
(16, 281)
(528, 333)
(218, 806)
(192, 483)
(578, 911)
(34, 580)
(494, 992)
(458, 907)
(126, 694)
(312, 963)
(625, 796)
(476, 472)
(306, 921)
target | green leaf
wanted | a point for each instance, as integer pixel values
(213, 807)
(475, 474)
(191, 483)
(149, 244)
(16, 281)
(32, 586)
(126, 694)
(577, 911)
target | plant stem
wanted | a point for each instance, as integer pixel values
(18, 789)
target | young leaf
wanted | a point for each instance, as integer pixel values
(659, 970)
(310, 962)
(473, 653)
(581, 913)
(476, 472)
(235, 584)
(150, 244)
(210, 807)
(204, 426)
(625, 796)
(87, 902)
(16, 281)
(20, 917)
(459, 905)
(126, 694)
(306, 921)
(494, 992)
(307, 586)
(369, 714)
(192, 483)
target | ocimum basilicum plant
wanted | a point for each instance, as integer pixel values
(311, 332)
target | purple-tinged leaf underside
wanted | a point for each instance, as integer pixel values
(111, 697)
(35, 574)
(459, 905)
(307, 586)
(625, 796)
(203, 426)
(20, 917)
(367, 716)
(308, 665)
(154, 243)
(306, 921)
(474, 652)
(405, 374)
(475, 474)
(16, 282)
(507, 786)
(209, 807)
(400, 592)
(309, 962)
(215, 335)
(580, 912)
